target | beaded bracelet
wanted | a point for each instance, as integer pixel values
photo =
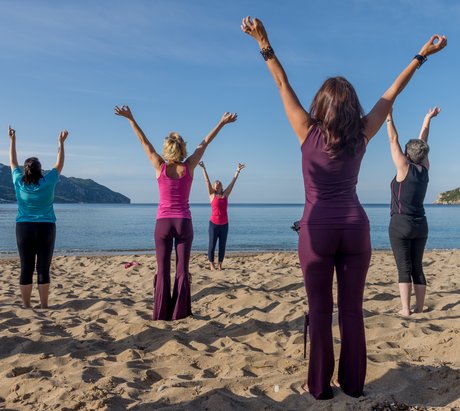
(267, 53)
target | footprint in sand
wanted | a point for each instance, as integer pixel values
(17, 371)
(388, 344)
(16, 322)
(151, 377)
(91, 375)
(186, 377)
(211, 372)
(248, 373)
(110, 311)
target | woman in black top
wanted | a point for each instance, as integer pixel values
(408, 226)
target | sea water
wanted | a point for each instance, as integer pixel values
(128, 228)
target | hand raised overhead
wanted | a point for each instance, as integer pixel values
(433, 45)
(433, 112)
(124, 111)
(63, 136)
(228, 118)
(255, 29)
(11, 133)
(240, 167)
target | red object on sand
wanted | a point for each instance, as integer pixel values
(132, 264)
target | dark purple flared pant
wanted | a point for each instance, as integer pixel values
(169, 232)
(349, 252)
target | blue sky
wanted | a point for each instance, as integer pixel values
(181, 64)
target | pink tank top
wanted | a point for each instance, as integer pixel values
(174, 195)
(219, 207)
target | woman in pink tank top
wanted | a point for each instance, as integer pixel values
(174, 172)
(218, 223)
(334, 230)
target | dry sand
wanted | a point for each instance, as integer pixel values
(96, 348)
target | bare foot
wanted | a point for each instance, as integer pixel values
(418, 310)
(405, 312)
(212, 267)
(219, 266)
(304, 387)
(335, 382)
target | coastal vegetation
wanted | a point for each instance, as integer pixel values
(449, 197)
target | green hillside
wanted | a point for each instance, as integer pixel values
(68, 190)
(449, 197)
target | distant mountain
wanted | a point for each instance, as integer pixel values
(68, 190)
(449, 197)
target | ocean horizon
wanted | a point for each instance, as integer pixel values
(253, 227)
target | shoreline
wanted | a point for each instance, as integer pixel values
(103, 253)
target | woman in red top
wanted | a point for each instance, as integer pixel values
(218, 223)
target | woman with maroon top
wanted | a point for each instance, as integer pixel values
(174, 172)
(334, 232)
(218, 223)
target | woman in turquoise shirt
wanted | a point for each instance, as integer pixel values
(35, 221)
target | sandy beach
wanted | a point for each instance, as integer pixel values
(96, 348)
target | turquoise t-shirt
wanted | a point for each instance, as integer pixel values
(35, 201)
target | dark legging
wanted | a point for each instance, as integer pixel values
(217, 232)
(36, 246)
(169, 232)
(408, 236)
(349, 252)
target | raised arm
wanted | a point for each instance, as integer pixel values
(298, 117)
(195, 158)
(376, 116)
(229, 189)
(399, 159)
(432, 112)
(61, 155)
(13, 154)
(206, 179)
(153, 156)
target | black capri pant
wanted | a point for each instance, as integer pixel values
(36, 246)
(408, 236)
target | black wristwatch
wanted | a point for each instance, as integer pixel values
(421, 59)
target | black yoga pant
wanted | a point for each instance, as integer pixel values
(217, 232)
(408, 236)
(36, 246)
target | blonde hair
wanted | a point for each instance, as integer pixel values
(174, 148)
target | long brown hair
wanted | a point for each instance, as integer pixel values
(32, 171)
(338, 113)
